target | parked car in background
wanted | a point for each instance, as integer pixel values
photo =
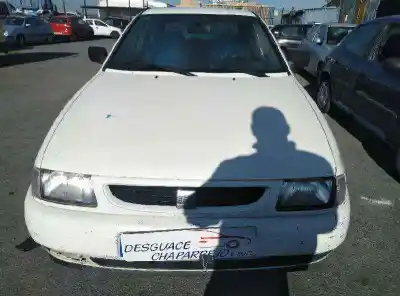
(72, 28)
(20, 29)
(290, 36)
(118, 22)
(362, 76)
(321, 40)
(101, 28)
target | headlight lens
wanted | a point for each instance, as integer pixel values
(306, 195)
(5, 33)
(64, 188)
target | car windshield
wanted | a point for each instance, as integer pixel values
(58, 20)
(336, 34)
(14, 21)
(294, 31)
(197, 43)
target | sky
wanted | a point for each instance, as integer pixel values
(75, 4)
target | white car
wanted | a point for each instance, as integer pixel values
(101, 28)
(194, 130)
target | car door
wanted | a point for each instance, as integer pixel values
(91, 24)
(346, 60)
(43, 29)
(306, 43)
(102, 28)
(30, 30)
(377, 90)
(316, 48)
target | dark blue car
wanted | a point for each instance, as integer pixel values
(362, 76)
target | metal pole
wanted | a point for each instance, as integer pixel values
(65, 10)
(129, 11)
(84, 10)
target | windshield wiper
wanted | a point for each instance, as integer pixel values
(141, 66)
(167, 69)
(256, 73)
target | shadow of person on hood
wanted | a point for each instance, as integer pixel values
(275, 157)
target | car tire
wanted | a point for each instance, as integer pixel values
(20, 39)
(73, 37)
(114, 35)
(50, 39)
(323, 96)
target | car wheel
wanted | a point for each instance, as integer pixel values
(50, 39)
(72, 38)
(20, 39)
(323, 96)
(114, 34)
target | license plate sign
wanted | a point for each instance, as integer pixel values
(189, 244)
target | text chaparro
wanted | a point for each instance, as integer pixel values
(177, 251)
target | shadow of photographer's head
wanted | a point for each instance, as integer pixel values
(270, 128)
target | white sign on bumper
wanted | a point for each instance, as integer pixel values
(188, 244)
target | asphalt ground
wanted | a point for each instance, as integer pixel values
(33, 89)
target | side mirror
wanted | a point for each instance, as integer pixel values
(299, 58)
(318, 41)
(97, 54)
(391, 65)
(276, 33)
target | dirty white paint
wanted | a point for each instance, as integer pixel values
(379, 202)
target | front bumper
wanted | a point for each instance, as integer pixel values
(90, 238)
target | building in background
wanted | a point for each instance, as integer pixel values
(121, 8)
(311, 15)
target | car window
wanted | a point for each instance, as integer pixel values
(30, 21)
(389, 45)
(320, 34)
(81, 21)
(99, 23)
(359, 40)
(198, 43)
(336, 34)
(14, 21)
(311, 32)
(58, 20)
(293, 31)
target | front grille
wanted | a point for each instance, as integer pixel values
(187, 197)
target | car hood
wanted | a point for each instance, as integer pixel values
(10, 28)
(190, 128)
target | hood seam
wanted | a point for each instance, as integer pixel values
(307, 97)
(71, 102)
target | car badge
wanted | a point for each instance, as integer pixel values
(184, 199)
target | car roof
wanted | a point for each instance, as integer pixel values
(339, 25)
(385, 19)
(202, 10)
(294, 25)
(21, 16)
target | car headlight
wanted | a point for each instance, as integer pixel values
(308, 195)
(5, 33)
(64, 188)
